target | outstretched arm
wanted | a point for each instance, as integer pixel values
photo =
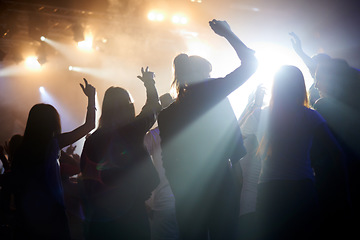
(68, 138)
(309, 62)
(152, 107)
(221, 87)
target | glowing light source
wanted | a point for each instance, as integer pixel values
(42, 90)
(177, 19)
(86, 44)
(42, 38)
(156, 16)
(70, 68)
(32, 63)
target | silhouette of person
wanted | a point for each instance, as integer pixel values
(38, 188)
(162, 202)
(200, 137)
(287, 203)
(117, 174)
(338, 84)
(311, 63)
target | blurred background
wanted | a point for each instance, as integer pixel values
(48, 46)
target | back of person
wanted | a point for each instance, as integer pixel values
(291, 146)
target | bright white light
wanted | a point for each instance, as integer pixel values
(152, 16)
(196, 47)
(270, 57)
(70, 68)
(179, 19)
(42, 38)
(86, 44)
(42, 90)
(175, 19)
(156, 16)
(183, 20)
(160, 17)
(32, 63)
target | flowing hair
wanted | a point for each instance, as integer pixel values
(288, 93)
(189, 70)
(117, 108)
(42, 125)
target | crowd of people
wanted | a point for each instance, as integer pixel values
(283, 171)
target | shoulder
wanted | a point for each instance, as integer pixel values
(314, 116)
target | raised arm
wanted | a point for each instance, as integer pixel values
(147, 117)
(221, 87)
(68, 138)
(309, 62)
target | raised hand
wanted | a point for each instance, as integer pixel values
(147, 76)
(88, 89)
(296, 43)
(221, 28)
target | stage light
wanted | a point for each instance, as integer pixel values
(156, 16)
(32, 63)
(42, 38)
(42, 90)
(152, 16)
(183, 20)
(70, 68)
(177, 19)
(160, 17)
(87, 44)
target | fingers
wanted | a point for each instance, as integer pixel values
(82, 87)
(86, 82)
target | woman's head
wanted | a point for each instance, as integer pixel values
(117, 108)
(189, 70)
(43, 123)
(289, 87)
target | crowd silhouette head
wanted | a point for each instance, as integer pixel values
(289, 88)
(117, 108)
(190, 70)
(43, 123)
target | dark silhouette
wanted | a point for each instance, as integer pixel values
(38, 189)
(339, 85)
(69, 170)
(161, 205)
(311, 62)
(200, 139)
(117, 172)
(287, 204)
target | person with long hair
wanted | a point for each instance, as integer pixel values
(38, 190)
(287, 201)
(200, 139)
(117, 172)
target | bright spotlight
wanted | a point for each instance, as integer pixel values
(160, 17)
(179, 19)
(86, 44)
(32, 63)
(156, 16)
(175, 19)
(42, 90)
(152, 16)
(183, 20)
(70, 68)
(42, 38)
